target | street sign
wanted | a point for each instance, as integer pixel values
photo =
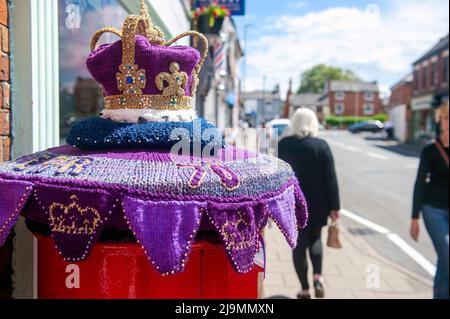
(237, 7)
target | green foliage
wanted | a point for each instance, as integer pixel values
(334, 120)
(313, 80)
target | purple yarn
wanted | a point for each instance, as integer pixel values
(80, 194)
(104, 63)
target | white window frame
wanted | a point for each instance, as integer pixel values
(369, 96)
(370, 106)
(339, 108)
(339, 96)
(35, 104)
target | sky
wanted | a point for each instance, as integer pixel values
(378, 39)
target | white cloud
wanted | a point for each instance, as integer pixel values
(379, 42)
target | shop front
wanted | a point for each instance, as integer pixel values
(423, 126)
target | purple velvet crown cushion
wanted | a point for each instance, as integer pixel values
(164, 200)
(104, 62)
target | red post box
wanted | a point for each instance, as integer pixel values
(122, 271)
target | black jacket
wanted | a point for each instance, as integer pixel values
(313, 164)
(432, 181)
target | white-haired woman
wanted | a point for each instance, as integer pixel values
(313, 163)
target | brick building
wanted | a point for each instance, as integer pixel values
(352, 98)
(5, 127)
(311, 101)
(399, 108)
(5, 138)
(430, 89)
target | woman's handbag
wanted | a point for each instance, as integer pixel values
(333, 240)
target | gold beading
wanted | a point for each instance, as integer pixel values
(155, 102)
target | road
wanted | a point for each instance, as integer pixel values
(376, 180)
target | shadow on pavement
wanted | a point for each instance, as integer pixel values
(402, 149)
(278, 297)
(376, 137)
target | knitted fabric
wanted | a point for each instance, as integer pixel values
(103, 134)
(104, 63)
(162, 199)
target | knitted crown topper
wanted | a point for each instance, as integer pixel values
(151, 74)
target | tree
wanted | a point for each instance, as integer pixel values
(313, 80)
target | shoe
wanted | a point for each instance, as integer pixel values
(319, 291)
(303, 296)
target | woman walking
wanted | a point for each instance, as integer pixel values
(313, 163)
(431, 199)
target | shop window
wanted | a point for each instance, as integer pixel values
(80, 95)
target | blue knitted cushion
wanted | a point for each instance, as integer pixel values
(101, 134)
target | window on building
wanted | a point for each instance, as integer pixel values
(339, 109)
(434, 73)
(339, 96)
(416, 80)
(369, 96)
(369, 109)
(423, 84)
(446, 69)
(80, 95)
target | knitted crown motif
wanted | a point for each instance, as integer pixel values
(176, 87)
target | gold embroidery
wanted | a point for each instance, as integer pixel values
(231, 239)
(156, 102)
(62, 164)
(198, 174)
(130, 80)
(176, 80)
(66, 223)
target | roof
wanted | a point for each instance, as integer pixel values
(260, 95)
(408, 79)
(353, 86)
(440, 46)
(305, 99)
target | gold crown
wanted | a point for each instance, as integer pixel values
(132, 80)
(73, 219)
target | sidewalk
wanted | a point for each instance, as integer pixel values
(344, 271)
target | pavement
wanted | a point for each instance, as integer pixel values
(376, 179)
(356, 271)
(379, 259)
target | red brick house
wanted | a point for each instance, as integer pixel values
(353, 98)
(399, 108)
(430, 89)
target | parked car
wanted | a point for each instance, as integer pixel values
(367, 126)
(281, 126)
